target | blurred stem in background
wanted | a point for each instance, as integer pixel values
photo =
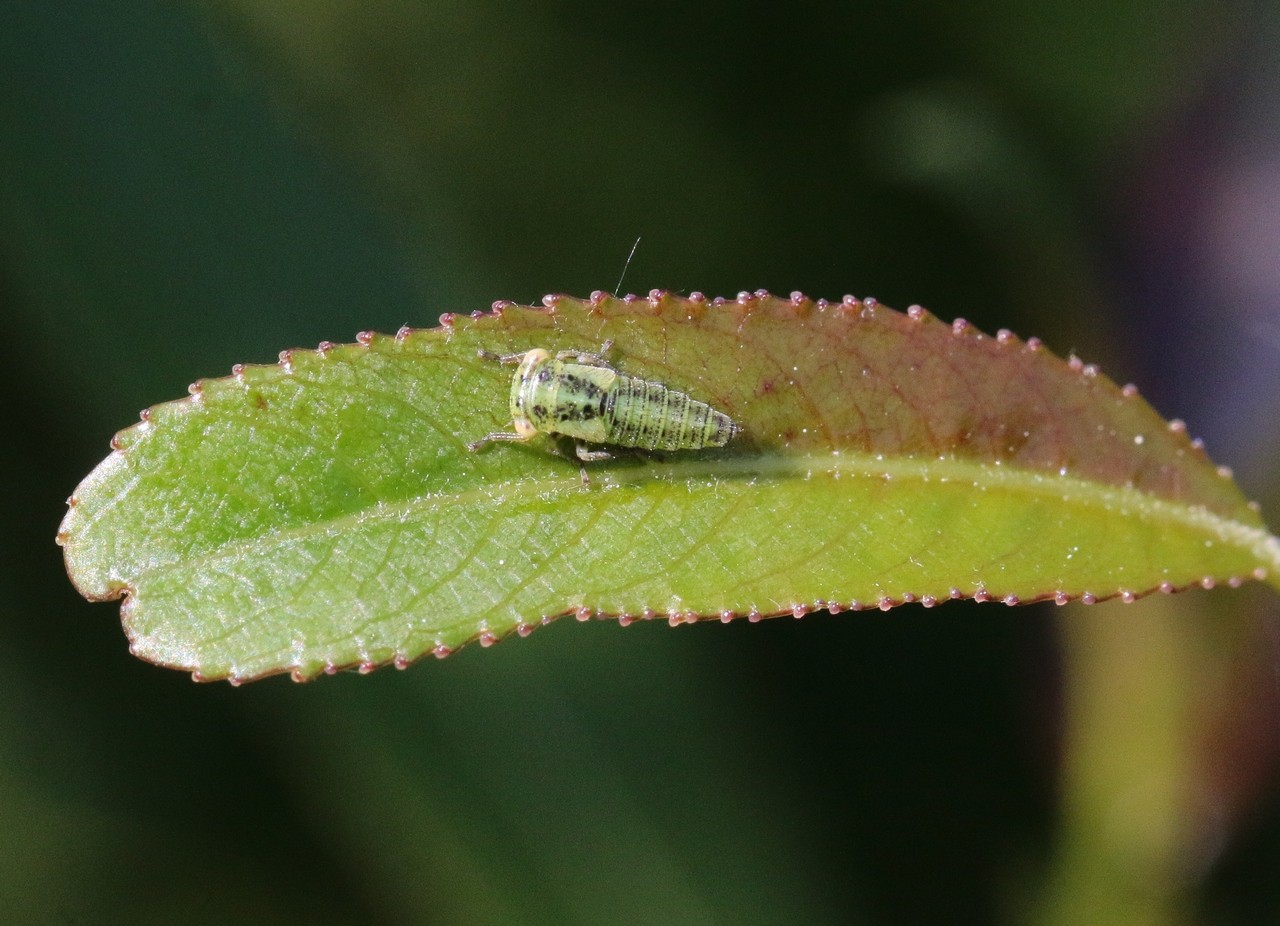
(1128, 799)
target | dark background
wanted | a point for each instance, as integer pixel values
(184, 186)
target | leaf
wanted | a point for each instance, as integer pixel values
(326, 513)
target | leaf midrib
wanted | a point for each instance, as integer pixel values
(836, 464)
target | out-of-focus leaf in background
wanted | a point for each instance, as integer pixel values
(187, 186)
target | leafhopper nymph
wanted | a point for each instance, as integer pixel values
(581, 395)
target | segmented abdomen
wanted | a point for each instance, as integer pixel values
(638, 413)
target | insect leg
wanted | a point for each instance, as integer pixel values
(591, 456)
(559, 451)
(499, 358)
(596, 359)
(495, 436)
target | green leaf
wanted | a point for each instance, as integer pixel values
(326, 513)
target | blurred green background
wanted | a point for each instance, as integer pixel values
(184, 186)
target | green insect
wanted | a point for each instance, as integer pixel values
(581, 395)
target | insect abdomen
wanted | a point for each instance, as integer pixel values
(639, 413)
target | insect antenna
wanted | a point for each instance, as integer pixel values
(618, 289)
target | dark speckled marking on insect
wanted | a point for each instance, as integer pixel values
(587, 399)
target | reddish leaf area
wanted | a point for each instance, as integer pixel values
(857, 375)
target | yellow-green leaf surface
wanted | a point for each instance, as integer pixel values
(325, 512)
